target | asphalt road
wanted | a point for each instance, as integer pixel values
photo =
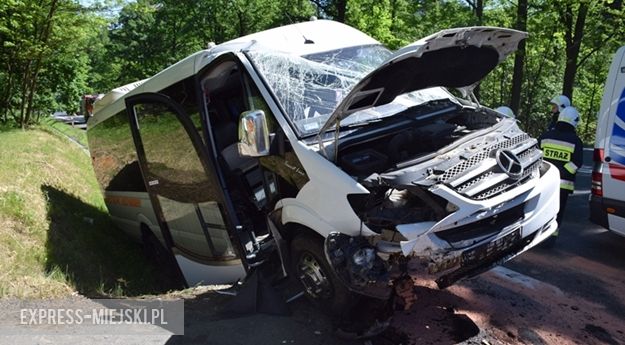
(587, 266)
(571, 294)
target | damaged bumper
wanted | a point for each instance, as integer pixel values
(483, 234)
(479, 235)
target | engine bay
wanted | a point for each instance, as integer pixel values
(378, 160)
(413, 135)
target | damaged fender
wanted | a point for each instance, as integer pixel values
(358, 265)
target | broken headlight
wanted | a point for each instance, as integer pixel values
(384, 208)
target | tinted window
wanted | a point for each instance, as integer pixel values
(187, 194)
(114, 156)
(174, 167)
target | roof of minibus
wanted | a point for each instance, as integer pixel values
(298, 39)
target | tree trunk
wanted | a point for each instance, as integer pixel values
(23, 94)
(478, 9)
(573, 36)
(341, 7)
(241, 22)
(519, 58)
(533, 125)
(6, 103)
(393, 15)
(591, 106)
(45, 35)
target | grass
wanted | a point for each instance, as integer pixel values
(56, 238)
(55, 127)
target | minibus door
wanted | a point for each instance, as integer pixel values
(182, 189)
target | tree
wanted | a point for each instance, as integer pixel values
(519, 58)
(56, 50)
(336, 10)
(478, 9)
(573, 35)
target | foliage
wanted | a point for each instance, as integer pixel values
(44, 61)
(56, 50)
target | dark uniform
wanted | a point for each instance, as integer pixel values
(553, 121)
(562, 147)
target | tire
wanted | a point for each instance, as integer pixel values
(163, 262)
(354, 316)
(307, 253)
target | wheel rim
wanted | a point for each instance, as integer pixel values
(313, 277)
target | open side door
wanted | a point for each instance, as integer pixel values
(183, 190)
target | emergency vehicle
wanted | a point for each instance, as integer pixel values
(607, 199)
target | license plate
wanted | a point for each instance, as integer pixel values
(493, 248)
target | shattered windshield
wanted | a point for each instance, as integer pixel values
(310, 87)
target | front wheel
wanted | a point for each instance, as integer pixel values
(312, 270)
(164, 263)
(355, 316)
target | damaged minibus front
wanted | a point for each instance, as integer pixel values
(400, 169)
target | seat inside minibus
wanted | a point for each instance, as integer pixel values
(224, 93)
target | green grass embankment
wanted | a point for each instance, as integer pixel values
(56, 238)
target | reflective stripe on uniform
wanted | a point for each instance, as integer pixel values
(566, 184)
(558, 144)
(571, 167)
(556, 152)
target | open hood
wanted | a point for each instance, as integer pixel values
(455, 58)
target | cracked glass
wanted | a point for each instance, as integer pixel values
(310, 87)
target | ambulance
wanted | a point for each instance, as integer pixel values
(607, 199)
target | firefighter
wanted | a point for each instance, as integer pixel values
(558, 103)
(562, 147)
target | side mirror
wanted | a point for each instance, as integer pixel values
(253, 134)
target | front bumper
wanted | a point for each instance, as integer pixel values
(538, 203)
(493, 253)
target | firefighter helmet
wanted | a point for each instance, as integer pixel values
(506, 111)
(569, 115)
(561, 102)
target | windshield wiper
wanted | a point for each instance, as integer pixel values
(363, 123)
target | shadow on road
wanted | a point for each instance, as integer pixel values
(575, 281)
(434, 319)
(208, 322)
(86, 248)
(583, 238)
(591, 251)
(431, 320)
(99, 260)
